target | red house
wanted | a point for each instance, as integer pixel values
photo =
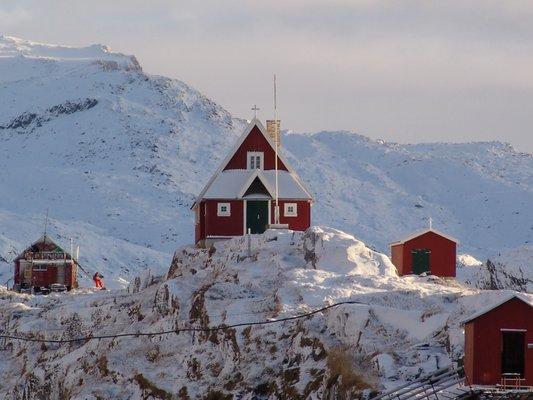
(499, 344)
(43, 264)
(240, 196)
(428, 251)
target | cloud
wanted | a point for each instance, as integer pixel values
(12, 17)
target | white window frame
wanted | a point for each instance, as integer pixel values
(223, 213)
(40, 267)
(287, 212)
(252, 157)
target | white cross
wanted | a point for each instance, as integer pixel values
(255, 109)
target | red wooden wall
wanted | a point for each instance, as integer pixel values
(212, 225)
(442, 258)
(298, 223)
(224, 226)
(482, 359)
(397, 257)
(49, 276)
(255, 141)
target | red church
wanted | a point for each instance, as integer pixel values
(428, 251)
(241, 196)
(499, 344)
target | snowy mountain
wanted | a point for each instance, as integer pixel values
(399, 328)
(119, 155)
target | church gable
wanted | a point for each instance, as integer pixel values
(254, 142)
(257, 188)
(254, 152)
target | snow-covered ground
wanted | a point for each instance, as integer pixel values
(401, 328)
(119, 155)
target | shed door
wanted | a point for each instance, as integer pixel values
(256, 216)
(420, 260)
(61, 274)
(513, 352)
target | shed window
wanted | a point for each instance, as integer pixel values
(223, 209)
(255, 160)
(290, 209)
(40, 267)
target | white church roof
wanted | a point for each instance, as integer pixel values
(232, 184)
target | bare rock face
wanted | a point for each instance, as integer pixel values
(187, 261)
(502, 277)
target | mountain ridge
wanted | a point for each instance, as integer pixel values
(119, 156)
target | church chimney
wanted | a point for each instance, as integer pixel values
(273, 129)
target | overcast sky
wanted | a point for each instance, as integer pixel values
(405, 71)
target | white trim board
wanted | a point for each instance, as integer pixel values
(255, 174)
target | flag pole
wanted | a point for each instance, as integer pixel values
(276, 141)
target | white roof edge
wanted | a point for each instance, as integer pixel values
(255, 174)
(422, 232)
(253, 122)
(496, 305)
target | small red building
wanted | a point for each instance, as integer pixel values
(427, 251)
(499, 344)
(240, 196)
(42, 264)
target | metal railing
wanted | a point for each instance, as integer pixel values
(445, 383)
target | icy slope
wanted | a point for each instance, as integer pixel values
(119, 155)
(512, 269)
(403, 326)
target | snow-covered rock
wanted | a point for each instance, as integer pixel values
(395, 329)
(512, 270)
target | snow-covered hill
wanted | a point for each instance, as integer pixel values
(401, 328)
(118, 156)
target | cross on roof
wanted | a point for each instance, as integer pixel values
(255, 109)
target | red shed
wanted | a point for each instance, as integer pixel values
(428, 251)
(499, 343)
(240, 196)
(43, 264)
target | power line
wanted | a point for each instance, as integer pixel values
(177, 331)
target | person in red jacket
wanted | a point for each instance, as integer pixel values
(97, 278)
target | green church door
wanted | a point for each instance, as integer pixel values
(420, 261)
(256, 216)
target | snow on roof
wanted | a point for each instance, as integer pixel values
(232, 184)
(42, 239)
(422, 232)
(497, 304)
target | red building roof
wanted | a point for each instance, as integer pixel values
(504, 300)
(423, 232)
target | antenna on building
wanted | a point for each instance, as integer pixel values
(276, 142)
(46, 221)
(430, 223)
(45, 225)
